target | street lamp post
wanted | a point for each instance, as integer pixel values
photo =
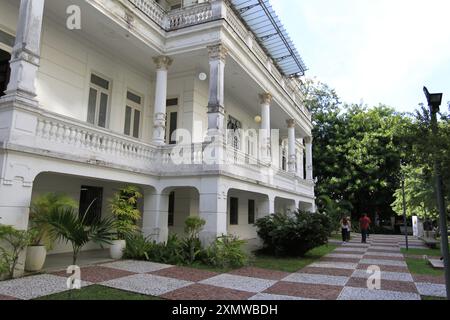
(434, 102)
(405, 218)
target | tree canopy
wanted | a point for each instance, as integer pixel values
(358, 151)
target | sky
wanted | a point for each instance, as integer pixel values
(373, 51)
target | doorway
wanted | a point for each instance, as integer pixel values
(5, 71)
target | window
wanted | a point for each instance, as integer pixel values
(99, 93)
(133, 111)
(251, 212)
(234, 211)
(4, 71)
(234, 127)
(171, 209)
(171, 120)
(91, 198)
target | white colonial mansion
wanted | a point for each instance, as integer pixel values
(196, 102)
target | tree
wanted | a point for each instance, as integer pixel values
(357, 150)
(419, 194)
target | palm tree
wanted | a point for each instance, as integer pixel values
(69, 226)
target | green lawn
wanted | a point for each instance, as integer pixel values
(426, 298)
(291, 264)
(422, 267)
(422, 252)
(97, 292)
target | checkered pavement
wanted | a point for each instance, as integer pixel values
(341, 275)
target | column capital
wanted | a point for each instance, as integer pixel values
(308, 140)
(163, 62)
(217, 52)
(290, 123)
(265, 98)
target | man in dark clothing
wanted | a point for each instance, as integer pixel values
(364, 224)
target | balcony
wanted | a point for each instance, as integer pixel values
(61, 137)
(201, 13)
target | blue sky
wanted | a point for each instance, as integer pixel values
(375, 51)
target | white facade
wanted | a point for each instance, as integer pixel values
(96, 106)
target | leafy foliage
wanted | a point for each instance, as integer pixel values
(419, 194)
(226, 252)
(40, 208)
(69, 226)
(293, 235)
(357, 150)
(13, 243)
(170, 252)
(191, 244)
(335, 210)
(137, 247)
(124, 208)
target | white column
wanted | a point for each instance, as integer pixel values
(26, 53)
(159, 125)
(267, 207)
(265, 100)
(309, 158)
(213, 209)
(300, 164)
(216, 110)
(155, 219)
(292, 156)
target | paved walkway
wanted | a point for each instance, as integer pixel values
(341, 275)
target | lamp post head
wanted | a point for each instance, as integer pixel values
(434, 99)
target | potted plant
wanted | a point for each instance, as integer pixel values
(124, 208)
(42, 239)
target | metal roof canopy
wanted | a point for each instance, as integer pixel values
(262, 20)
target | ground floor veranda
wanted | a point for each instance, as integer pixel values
(227, 204)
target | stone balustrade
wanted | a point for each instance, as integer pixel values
(189, 16)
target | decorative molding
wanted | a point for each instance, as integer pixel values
(163, 62)
(265, 98)
(290, 123)
(218, 52)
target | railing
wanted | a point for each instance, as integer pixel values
(57, 133)
(189, 16)
(152, 10)
(62, 137)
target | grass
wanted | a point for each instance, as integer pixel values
(97, 292)
(422, 267)
(427, 298)
(422, 252)
(291, 264)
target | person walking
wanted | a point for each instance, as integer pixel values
(364, 224)
(345, 227)
(349, 219)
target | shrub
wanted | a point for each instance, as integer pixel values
(124, 208)
(226, 252)
(138, 247)
(40, 208)
(192, 245)
(170, 252)
(13, 243)
(293, 235)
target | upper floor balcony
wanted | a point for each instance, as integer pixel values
(104, 94)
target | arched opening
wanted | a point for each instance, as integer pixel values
(183, 203)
